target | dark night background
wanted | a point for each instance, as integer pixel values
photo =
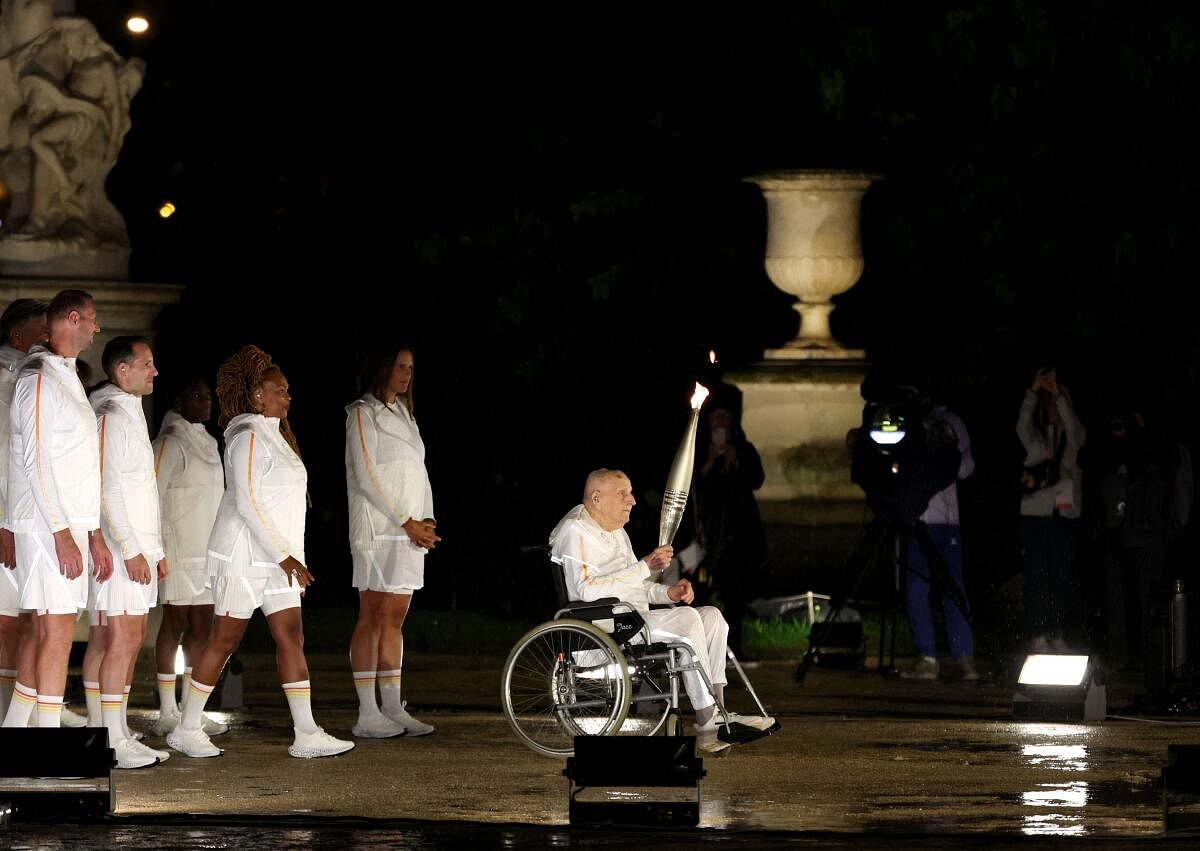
(551, 206)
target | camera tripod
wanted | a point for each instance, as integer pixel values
(898, 533)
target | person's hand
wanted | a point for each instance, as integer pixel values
(295, 570)
(1051, 382)
(102, 563)
(660, 559)
(8, 549)
(681, 592)
(138, 569)
(163, 570)
(70, 560)
(423, 533)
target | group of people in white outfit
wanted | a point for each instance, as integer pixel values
(97, 517)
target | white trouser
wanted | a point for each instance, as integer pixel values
(704, 628)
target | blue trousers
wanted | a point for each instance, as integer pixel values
(917, 595)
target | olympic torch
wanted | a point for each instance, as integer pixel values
(679, 480)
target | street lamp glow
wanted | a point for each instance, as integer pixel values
(137, 24)
(166, 210)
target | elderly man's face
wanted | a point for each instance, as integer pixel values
(612, 502)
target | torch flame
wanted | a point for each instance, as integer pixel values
(712, 356)
(698, 396)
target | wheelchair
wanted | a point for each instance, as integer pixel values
(594, 671)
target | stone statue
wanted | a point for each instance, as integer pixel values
(64, 113)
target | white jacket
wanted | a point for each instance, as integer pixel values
(599, 563)
(9, 358)
(1041, 503)
(260, 521)
(191, 482)
(128, 492)
(386, 480)
(54, 465)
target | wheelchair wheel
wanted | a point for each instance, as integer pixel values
(649, 703)
(564, 678)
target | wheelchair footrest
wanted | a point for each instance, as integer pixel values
(740, 734)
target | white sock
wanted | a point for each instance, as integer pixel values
(112, 707)
(193, 711)
(184, 691)
(24, 701)
(8, 679)
(49, 710)
(91, 694)
(364, 684)
(124, 711)
(166, 694)
(389, 691)
(299, 698)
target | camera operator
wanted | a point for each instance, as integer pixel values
(941, 522)
(1052, 436)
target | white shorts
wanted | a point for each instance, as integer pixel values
(44, 589)
(120, 595)
(186, 587)
(10, 593)
(398, 569)
(239, 596)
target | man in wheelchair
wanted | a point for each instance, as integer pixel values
(598, 560)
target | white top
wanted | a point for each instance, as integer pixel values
(191, 482)
(9, 358)
(943, 507)
(598, 563)
(128, 492)
(1040, 447)
(260, 520)
(54, 465)
(386, 480)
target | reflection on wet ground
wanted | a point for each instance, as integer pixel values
(842, 771)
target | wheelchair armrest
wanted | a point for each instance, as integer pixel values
(592, 609)
(627, 621)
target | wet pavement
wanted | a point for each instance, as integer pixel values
(860, 755)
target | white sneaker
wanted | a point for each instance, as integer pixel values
(130, 755)
(213, 727)
(136, 735)
(168, 720)
(379, 727)
(758, 722)
(72, 719)
(412, 726)
(708, 743)
(161, 756)
(193, 743)
(317, 744)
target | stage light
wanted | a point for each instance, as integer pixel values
(179, 661)
(137, 24)
(887, 427)
(1060, 687)
(166, 210)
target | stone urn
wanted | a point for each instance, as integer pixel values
(814, 251)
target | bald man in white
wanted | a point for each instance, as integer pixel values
(599, 561)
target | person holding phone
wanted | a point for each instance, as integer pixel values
(1051, 435)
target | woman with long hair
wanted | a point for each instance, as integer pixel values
(256, 551)
(391, 529)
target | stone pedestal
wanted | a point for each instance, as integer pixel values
(121, 307)
(797, 413)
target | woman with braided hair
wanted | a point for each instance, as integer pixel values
(256, 551)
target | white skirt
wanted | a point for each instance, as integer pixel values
(43, 587)
(120, 595)
(186, 586)
(398, 568)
